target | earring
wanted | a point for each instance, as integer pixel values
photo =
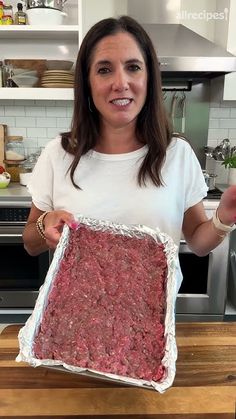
(89, 104)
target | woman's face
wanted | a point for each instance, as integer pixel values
(118, 79)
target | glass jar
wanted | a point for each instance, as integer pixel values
(14, 170)
(1, 11)
(7, 20)
(15, 151)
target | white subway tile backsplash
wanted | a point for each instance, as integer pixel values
(37, 132)
(228, 123)
(64, 103)
(219, 112)
(24, 102)
(214, 123)
(228, 103)
(232, 133)
(25, 122)
(8, 120)
(53, 132)
(212, 143)
(56, 111)
(69, 111)
(64, 123)
(233, 112)
(222, 123)
(217, 134)
(4, 102)
(46, 103)
(30, 143)
(16, 131)
(46, 122)
(14, 110)
(42, 142)
(35, 111)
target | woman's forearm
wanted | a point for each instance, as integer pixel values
(34, 244)
(205, 238)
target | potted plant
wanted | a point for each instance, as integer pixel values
(230, 162)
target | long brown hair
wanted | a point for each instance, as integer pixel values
(152, 126)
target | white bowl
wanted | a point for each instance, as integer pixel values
(59, 65)
(4, 180)
(25, 72)
(45, 16)
(25, 178)
(25, 81)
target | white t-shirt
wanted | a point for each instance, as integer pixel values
(109, 188)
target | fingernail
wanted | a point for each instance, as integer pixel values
(74, 225)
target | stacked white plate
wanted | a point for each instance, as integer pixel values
(57, 78)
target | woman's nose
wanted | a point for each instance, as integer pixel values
(120, 81)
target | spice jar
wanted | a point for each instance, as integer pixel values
(1, 11)
(7, 20)
(14, 170)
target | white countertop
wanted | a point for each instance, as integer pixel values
(15, 193)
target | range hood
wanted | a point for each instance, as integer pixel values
(183, 54)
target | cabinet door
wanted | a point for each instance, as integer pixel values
(91, 11)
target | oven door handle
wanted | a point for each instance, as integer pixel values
(183, 247)
(10, 235)
(10, 238)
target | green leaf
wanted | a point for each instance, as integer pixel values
(230, 162)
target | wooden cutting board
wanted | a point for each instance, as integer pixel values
(3, 133)
(204, 388)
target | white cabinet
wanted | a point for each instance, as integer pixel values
(230, 79)
(41, 42)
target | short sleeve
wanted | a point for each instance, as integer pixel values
(41, 182)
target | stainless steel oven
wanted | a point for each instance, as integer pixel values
(21, 275)
(203, 292)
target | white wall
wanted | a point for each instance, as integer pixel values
(196, 17)
(154, 11)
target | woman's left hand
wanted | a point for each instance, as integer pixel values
(227, 206)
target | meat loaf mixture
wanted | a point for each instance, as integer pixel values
(107, 306)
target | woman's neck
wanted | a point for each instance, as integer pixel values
(117, 141)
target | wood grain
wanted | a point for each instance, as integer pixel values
(204, 387)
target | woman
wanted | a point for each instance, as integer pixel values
(119, 161)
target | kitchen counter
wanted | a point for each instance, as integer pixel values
(204, 388)
(15, 194)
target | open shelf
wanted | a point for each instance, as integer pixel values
(39, 32)
(36, 93)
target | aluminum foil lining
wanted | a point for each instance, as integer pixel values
(30, 329)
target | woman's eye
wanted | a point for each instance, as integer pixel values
(103, 70)
(134, 67)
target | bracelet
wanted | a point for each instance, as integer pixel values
(220, 226)
(40, 225)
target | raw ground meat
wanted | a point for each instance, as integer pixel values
(106, 308)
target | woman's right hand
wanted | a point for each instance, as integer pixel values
(53, 225)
